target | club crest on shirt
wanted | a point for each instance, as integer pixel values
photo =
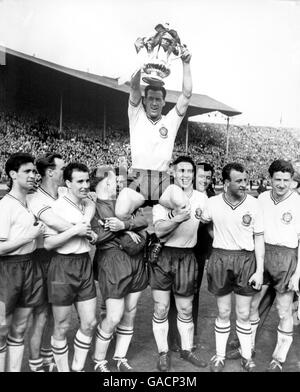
(246, 220)
(286, 218)
(163, 132)
(198, 213)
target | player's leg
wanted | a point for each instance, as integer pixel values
(160, 327)
(39, 320)
(174, 198)
(260, 307)
(114, 312)
(127, 202)
(15, 339)
(125, 332)
(5, 322)
(222, 331)
(284, 303)
(62, 322)
(173, 335)
(83, 338)
(243, 329)
(185, 327)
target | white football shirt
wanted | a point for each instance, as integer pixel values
(281, 219)
(65, 208)
(16, 220)
(233, 225)
(152, 142)
(185, 235)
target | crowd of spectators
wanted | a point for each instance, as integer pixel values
(255, 147)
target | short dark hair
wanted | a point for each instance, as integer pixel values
(206, 167)
(74, 166)
(155, 88)
(280, 165)
(98, 174)
(185, 158)
(46, 162)
(15, 161)
(229, 167)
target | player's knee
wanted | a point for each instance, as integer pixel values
(284, 312)
(3, 334)
(161, 310)
(185, 311)
(113, 319)
(61, 328)
(88, 326)
(224, 313)
(243, 314)
(18, 330)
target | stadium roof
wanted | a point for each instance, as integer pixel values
(114, 93)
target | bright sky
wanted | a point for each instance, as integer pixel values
(246, 53)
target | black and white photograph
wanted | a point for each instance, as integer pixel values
(149, 189)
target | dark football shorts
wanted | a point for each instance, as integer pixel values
(42, 257)
(280, 265)
(120, 274)
(151, 184)
(21, 284)
(176, 269)
(70, 279)
(230, 270)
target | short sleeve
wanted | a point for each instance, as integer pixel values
(5, 215)
(134, 112)
(37, 207)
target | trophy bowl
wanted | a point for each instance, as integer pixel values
(155, 71)
(159, 51)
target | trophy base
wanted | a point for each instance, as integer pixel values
(153, 81)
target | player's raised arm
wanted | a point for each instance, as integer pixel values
(187, 84)
(135, 83)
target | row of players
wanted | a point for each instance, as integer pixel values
(255, 246)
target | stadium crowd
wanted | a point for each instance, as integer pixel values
(256, 147)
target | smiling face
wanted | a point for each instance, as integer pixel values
(154, 103)
(237, 184)
(25, 176)
(184, 175)
(281, 183)
(203, 179)
(79, 186)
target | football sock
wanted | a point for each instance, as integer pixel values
(243, 331)
(15, 350)
(124, 336)
(254, 326)
(284, 341)
(82, 344)
(3, 351)
(186, 332)
(36, 365)
(160, 331)
(222, 331)
(60, 353)
(101, 345)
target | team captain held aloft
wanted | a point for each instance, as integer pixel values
(152, 138)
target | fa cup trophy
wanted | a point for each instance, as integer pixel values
(158, 52)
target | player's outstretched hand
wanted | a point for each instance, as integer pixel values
(139, 44)
(256, 280)
(114, 224)
(134, 236)
(185, 55)
(92, 238)
(294, 283)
